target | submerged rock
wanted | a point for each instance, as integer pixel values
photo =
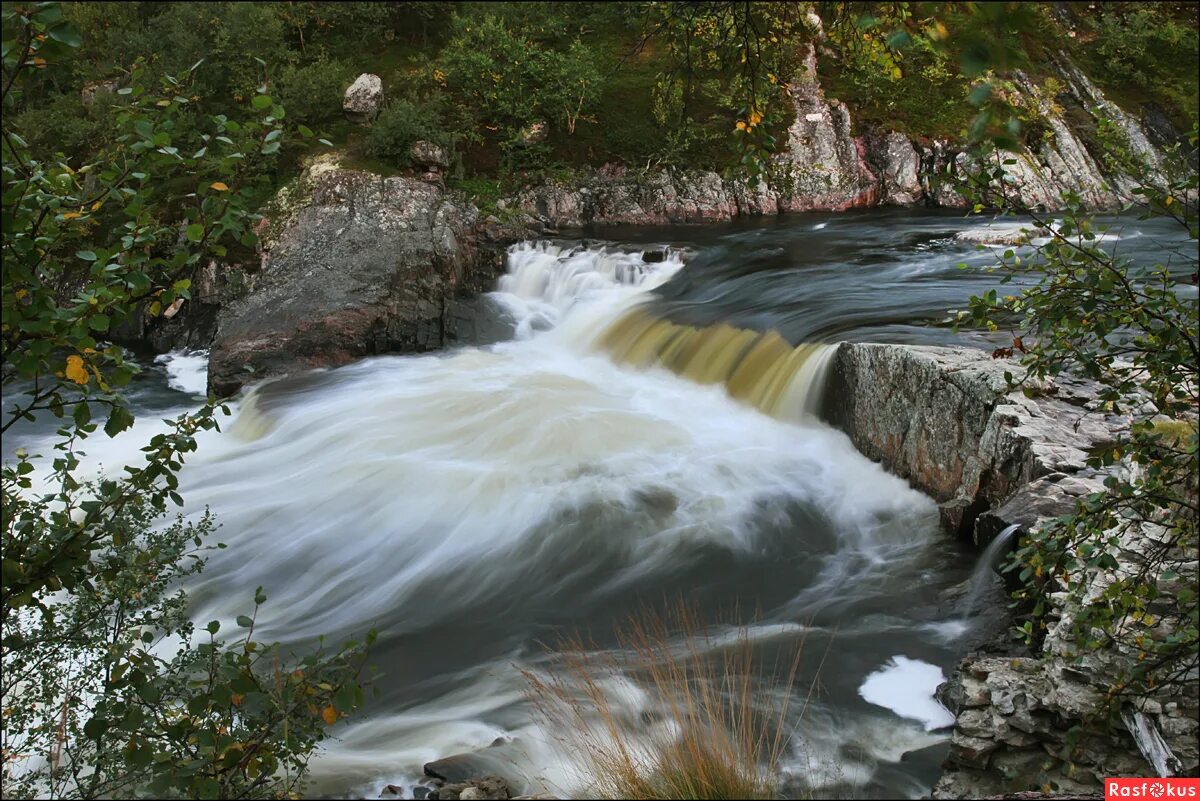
(488, 787)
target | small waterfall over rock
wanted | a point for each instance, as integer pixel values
(759, 368)
(985, 569)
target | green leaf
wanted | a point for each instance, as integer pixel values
(86, 255)
(66, 34)
(195, 232)
(261, 101)
(119, 419)
(244, 621)
(95, 728)
(305, 131)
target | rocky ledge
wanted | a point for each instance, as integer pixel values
(943, 419)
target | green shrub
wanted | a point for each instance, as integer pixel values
(506, 80)
(1140, 43)
(404, 121)
(313, 92)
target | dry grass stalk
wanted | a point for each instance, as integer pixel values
(721, 738)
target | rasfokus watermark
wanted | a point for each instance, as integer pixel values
(1151, 788)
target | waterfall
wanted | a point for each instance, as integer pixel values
(986, 567)
(758, 368)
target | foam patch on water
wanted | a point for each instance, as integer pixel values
(906, 686)
(187, 371)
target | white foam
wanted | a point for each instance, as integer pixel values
(187, 371)
(906, 686)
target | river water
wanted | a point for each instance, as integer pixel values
(645, 437)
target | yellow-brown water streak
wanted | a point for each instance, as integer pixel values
(759, 368)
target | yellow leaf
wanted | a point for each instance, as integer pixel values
(75, 370)
(21, 293)
(236, 698)
(741, 126)
(71, 215)
(217, 185)
(329, 715)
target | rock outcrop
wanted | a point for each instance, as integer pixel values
(944, 419)
(940, 418)
(824, 166)
(352, 265)
(364, 98)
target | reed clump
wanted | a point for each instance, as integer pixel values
(714, 724)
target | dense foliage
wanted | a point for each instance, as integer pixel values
(107, 690)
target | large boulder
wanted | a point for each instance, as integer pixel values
(364, 98)
(359, 265)
(823, 166)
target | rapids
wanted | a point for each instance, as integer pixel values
(648, 433)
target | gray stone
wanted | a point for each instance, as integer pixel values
(428, 155)
(364, 98)
(898, 167)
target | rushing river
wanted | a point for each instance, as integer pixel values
(645, 435)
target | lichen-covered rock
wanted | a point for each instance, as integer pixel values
(823, 167)
(362, 265)
(428, 155)
(364, 98)
(1011, 732)
(898, 167)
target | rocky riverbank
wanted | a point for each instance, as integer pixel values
(942, 418)
(353, 264)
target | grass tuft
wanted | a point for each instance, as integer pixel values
(717, 730)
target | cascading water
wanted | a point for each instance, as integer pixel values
(466, 504)
(985, 568)
(470, 504)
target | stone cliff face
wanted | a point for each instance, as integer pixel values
(942, 418)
